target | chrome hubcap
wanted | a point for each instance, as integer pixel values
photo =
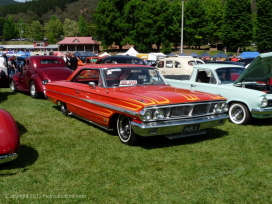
(237, 114)
(32, 89)
(124, 127)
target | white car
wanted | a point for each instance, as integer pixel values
(248, 91)
(176, 67)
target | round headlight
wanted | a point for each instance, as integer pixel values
(225, 107)
(159, 114)
(217, 108)
(147, 115)
(264, 102)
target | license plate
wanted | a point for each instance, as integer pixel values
(191, 128)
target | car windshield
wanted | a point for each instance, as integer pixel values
(229, 75)
(133, 76)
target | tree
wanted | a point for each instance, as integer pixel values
(70, 28)
(194, 22)
(149, 22)
(109, 20)
(238, 25)
(10, 30)
(34, 31)
(214, 11)
(263, 26)
(21, 27)
(53, 29)
(82, 27)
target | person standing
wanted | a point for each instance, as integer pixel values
(13, 67)
(67, 59)
(73, 62)
(234, 59)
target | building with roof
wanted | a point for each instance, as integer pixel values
(73, 44)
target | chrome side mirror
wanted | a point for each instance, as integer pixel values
(92, 85)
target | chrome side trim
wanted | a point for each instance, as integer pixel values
(176, 126)
(8, 157)
(122, 110)
(261, 111)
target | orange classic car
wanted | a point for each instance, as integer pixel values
(136, 101)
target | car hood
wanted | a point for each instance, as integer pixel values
(159, 95)
(259, 70)
(57, 73)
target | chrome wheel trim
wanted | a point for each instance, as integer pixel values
(12, 85)
(32, 89)
(124, 128)
(237, 114)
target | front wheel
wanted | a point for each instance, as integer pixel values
(33, 92)
(63, 109)
(125, 132)
(12, 86)
(239, 114)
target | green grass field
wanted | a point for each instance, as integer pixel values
(65, 160)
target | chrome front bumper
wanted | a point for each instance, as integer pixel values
(8, 157)
(261, 113)
(171, 127)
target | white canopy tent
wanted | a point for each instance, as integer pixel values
(104, 54)
(132, 52)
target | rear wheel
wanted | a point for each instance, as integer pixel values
(63, 109)
(239, 114)
(32, 90)
(125, 132)
(12, 86)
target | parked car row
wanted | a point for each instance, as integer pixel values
(137, 101)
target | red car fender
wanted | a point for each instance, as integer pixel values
(9, 134)
(38, 82)
(17, 78)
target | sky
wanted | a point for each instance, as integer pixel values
(21, 0)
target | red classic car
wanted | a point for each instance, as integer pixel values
(37, 70)
(9, 137)
(137, 101)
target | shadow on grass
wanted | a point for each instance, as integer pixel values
(162, 141)
(4, 95)
(27, 157)
(261, 122)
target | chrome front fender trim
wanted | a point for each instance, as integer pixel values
(261, 111)
(8, 157)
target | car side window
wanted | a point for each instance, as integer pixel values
(205, 76)
(169, 64)
(177, 65)
(161, 64)
(49, 61)
(87, 75)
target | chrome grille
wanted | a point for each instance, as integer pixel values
(181, 111)
(176, 111)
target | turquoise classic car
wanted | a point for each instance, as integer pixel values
(248, 91)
